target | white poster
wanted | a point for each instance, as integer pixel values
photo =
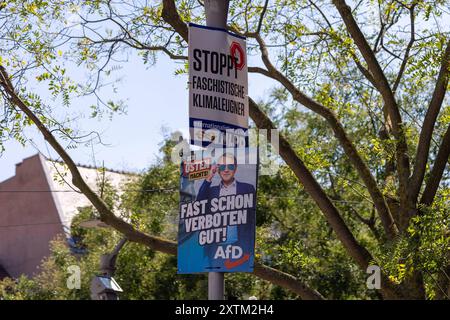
(218, 84)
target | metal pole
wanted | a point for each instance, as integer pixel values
(216, 16)
(107, 269)
(216, 13)
(216, 286)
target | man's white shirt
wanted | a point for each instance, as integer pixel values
(227, 190)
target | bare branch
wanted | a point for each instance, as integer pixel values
(408, 48)
(261, 18)
(442, 287)
(142, 46)
(260, 71)
(321, 13)
(369, 222)
(367, 53)
(364, 71)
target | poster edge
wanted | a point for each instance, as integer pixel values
(191, 24)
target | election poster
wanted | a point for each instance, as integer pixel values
(216, 231)
(218, 83)
(217, 211)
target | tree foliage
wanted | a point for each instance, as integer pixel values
(360, 97)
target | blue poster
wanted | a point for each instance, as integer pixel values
(217, 211)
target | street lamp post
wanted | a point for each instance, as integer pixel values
(103, 286)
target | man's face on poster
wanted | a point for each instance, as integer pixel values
(227, 168)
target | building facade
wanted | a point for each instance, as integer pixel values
(36, 205)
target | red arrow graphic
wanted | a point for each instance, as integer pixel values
(233, 264)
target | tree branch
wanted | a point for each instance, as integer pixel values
(426, 134)
(286, 281)
(369, 222)
(141, 46)
(359, 253)
(408, 48)
(437, 171)
(369, 56)
(390, 103)
(442, 287)
(260, 71)
(261, 18)
(171, 16)
(339, 132)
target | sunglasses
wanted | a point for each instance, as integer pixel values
(223, 167)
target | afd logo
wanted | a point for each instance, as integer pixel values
(233, 255)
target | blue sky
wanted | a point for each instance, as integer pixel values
(156, 99)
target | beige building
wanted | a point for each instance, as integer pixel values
(37, 204)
